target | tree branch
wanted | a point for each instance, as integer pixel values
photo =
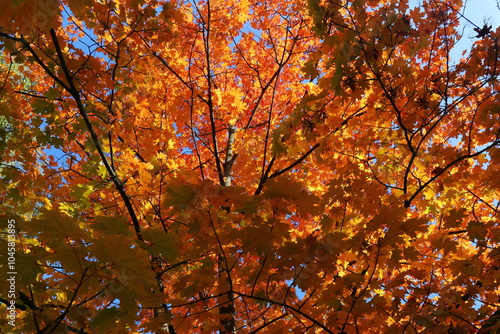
(73, 91)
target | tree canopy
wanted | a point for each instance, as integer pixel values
(224, 166)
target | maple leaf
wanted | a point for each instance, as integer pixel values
(482, 32)
(248, 166)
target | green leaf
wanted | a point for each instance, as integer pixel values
(179, 195)
(310, 69)
(106, 319)
(56, 227)
(278, 147)
(52, 94)
(112, 225)
(82, 192)
(163, 243)
(129, 262)
(27, 267)
(42, 107)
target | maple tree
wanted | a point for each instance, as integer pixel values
(249, 166)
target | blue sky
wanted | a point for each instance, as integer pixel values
(477, 11)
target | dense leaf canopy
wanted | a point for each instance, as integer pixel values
(223, 166)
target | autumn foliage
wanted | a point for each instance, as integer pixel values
(246, 166)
